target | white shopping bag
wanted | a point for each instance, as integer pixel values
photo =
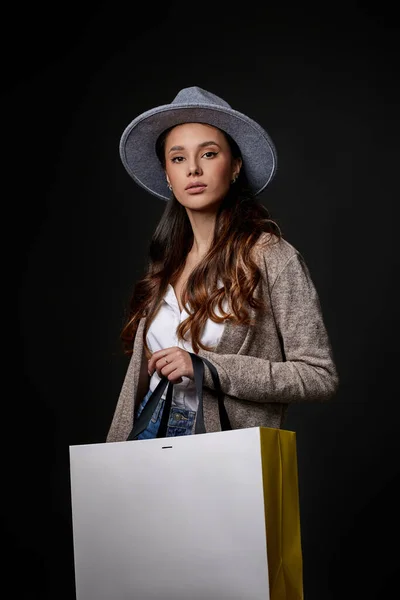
(172, 519)
(212, 516)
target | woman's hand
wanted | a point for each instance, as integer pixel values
(173, 363)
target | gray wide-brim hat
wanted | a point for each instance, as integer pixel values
(195, 105)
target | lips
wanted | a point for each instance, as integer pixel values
(196, 185)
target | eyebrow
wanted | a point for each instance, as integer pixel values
(202, 145)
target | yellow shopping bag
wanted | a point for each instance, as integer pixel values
(282, 513)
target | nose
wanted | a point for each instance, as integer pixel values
(194, 167)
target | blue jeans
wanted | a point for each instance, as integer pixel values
(180, 422)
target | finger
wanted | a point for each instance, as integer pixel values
(164, 368)
(155, 363)
(163, 362)
(172, 372)
(174, 377)
(159, 355)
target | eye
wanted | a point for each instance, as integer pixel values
(210, 154)
(177, 159)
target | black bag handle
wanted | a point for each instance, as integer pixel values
(152, 403)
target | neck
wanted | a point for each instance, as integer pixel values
(203, 226)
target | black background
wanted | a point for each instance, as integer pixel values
(323, 80)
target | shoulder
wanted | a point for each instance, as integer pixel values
(273, 254)
(279, 260)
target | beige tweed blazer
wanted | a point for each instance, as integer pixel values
(285, 357)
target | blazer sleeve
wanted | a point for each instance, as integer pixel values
(307, 371)
(131, 394)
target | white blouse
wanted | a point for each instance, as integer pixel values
(162, 334)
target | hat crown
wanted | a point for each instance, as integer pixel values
(196, 95)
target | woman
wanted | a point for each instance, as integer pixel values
(222, 282)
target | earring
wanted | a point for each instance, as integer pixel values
(169, 187)
(234, 179)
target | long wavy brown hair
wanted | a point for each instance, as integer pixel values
(240, 220)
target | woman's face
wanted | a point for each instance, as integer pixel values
(199, 165)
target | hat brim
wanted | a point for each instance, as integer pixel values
(138, 143)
